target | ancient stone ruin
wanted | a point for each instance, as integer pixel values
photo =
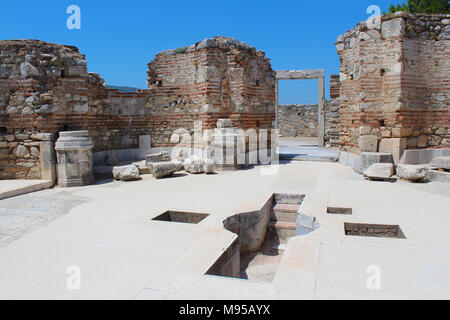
(394, 84)
(46, 88)
(391, 96)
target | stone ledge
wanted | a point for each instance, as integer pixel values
(12, 188)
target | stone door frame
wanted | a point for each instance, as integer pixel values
(305, 75)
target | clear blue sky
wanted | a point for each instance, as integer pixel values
(119, 38)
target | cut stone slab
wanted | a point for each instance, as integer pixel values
(370, 158)
(157, 157)
(12, 188)
(441, 163)
(380, 171)
(412, 172)
(165, 168)
(126, 173)
(395, 146)
(368, 143)
(193, 165)
(393, 28)
(440, 176)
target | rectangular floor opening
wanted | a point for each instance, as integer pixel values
(338, 210)
(374, 230)
(181, 217)
(261, 265)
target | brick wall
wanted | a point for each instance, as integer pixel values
(217, 78)
(395, 82)
(46, 88)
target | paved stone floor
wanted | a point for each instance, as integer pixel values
(22, 214)
(107, 231)
(305, 149)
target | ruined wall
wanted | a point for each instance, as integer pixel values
(395, 82)
(46, 88)
(298, 120)
(217, 78)
(302, 120)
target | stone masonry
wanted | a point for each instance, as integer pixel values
(301, 120)
(46, 88)
(395, 83)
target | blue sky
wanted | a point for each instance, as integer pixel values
(119, 38)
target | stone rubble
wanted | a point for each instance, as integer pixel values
(126, 173)
(380, 171)
(412, 172)
(197, 165)
(165, 169)
(441, 163)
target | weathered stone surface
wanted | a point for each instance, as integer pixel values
(20, 151)
(370, 158)
(47, 108)
(75, 162)
(209, 166)
(300, 74)
(193, 165)
(399, 110)
(126, 173)
(158, 157)
(63, 85)
(380, 171)
(395, 146)
(441, 163)
(393, 28)
(165, 169)
(302, 120)
(368, 143)
(422, 141)
(412, 172)
(224, 123)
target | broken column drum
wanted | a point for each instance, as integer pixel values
(227, 147)
(74, 153)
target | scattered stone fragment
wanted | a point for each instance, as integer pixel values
(157, 157)
(193, 165)
(370, 158)
(412, 172)
(441, 163)
(126, 173)
(165, 168)
(381, 171)
(209, 166)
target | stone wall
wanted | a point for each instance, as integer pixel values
(298, 120)
(302, 120)
(395, 83)
(46, 88)
(217, 78)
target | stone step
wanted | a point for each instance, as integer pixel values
(286, 207)
(283, 216)
(283, 229)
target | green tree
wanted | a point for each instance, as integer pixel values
(422, 6)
